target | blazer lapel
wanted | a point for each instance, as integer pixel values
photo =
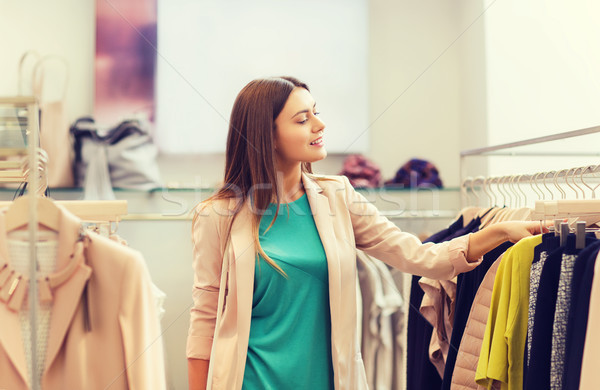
(242, 243)
(67, 296)
(10, 328)
(319, 204)
(10, 336)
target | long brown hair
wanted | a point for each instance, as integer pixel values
(250, 170)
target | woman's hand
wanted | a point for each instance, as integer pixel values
(516, 230)
(490, 237)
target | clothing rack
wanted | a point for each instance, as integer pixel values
(26, 108)
(497, 150)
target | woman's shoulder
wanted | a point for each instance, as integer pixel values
(325, 181)
(222, 207)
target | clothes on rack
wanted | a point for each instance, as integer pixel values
(514, 322)
(501, 356)
(426, 360)
(583, 277)
(379, 342)
(546, 361)
(121, 348)
(465, 366)
(468, 285)
(591, 353)
(420, 372)
(550, 355)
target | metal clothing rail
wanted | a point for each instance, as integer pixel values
(532, 141)
(494, 150)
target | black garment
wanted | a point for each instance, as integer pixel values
(537, 375)
(583, 276)
(549, 243)
(421, 374)
(466, 288)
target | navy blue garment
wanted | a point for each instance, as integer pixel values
(467, 285)
(583, 276)
(538, 372)
(421, 374)
(549, 243)
(537, 375)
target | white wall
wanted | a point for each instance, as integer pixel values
(60, 27)
(543, 77)
(427, 74)
(404, 38)
(210, 49)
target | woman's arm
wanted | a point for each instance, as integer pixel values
(197, 373)
(382, 239)
(208, 260)
(487, 239)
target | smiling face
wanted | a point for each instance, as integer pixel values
(299, 131)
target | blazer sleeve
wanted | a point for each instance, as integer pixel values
(382, 239)
(140, 328)
(207, 264)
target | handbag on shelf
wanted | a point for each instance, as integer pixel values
(122, 157)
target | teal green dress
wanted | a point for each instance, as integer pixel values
(290, 332)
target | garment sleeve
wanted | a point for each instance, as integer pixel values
(493, 363)
(382, 239)
(591, 353)
(207, 264)
(140, 329)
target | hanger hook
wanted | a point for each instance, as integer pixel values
(495, 193)
(569, 184)
(575, 183)
(499, 184)
(592, 168)
(532, 177)
(506, 188)
(520, 188)
(545, 185)
(475, 192)
(463, 190)
(486, 190)
(513, 186)
(482, 179)
(563, 194)
(511, 192)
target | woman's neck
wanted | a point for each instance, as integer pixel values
(291, 182)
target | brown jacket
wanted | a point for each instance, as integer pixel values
(345, 221)
(123, 350)
(468, 353)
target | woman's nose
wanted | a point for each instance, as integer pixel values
(319, 125)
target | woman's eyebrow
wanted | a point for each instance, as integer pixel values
(304, 111)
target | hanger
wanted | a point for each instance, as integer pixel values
(17, 215)
(582, 210)
(593, 168)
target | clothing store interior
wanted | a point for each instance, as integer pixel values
(448, 117)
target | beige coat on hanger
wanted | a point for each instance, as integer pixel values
(122, 351)
(345, 221)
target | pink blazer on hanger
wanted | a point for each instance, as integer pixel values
(123, 350)
(345, 221)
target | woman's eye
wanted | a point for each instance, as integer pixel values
(316, 113)
(304, 121)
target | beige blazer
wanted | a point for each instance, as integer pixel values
(123, 350)
(590, 375)
(345, 221)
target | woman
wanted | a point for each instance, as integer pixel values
(275, 254)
